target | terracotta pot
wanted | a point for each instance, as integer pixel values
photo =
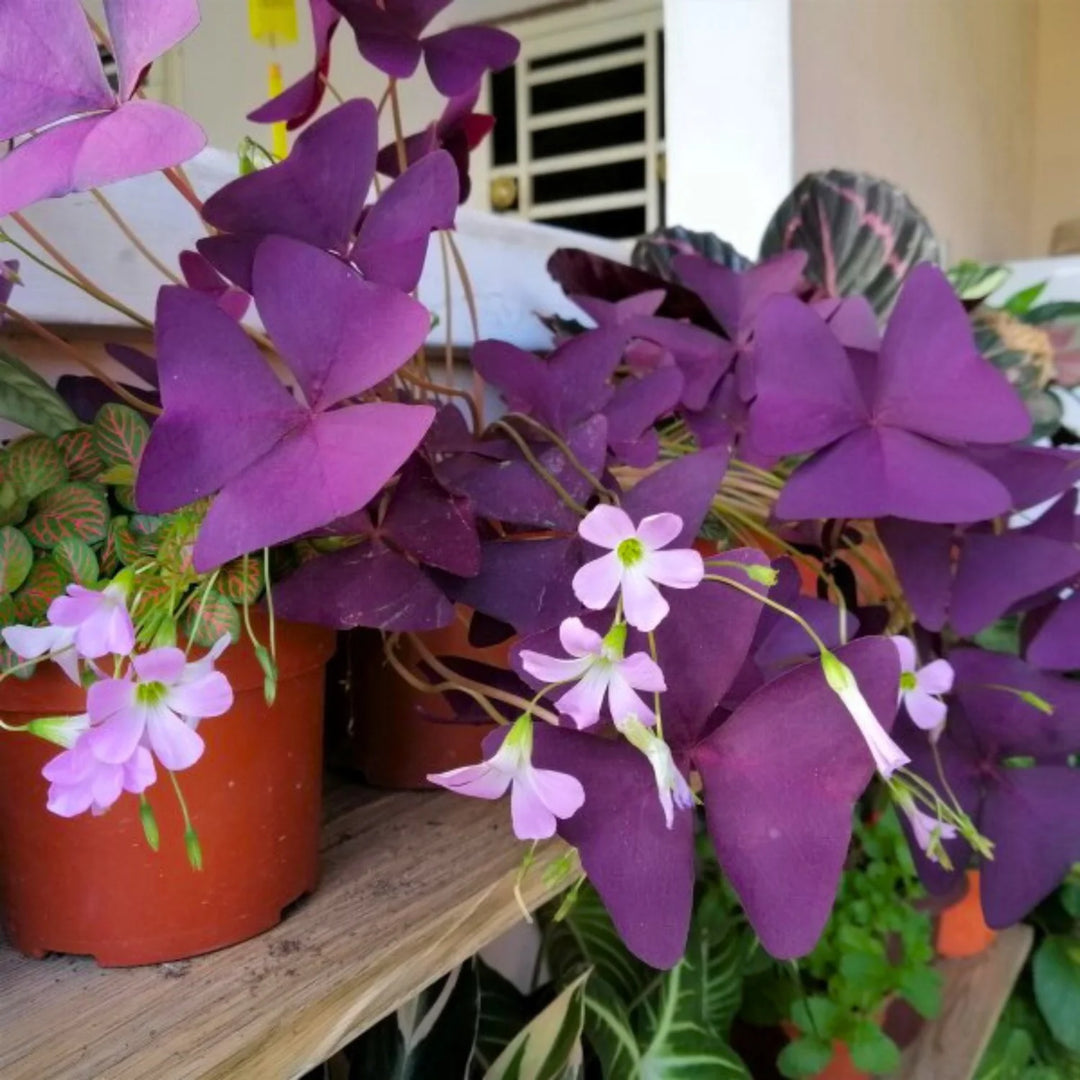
(962, 929)
(93, 886)
(401, 733)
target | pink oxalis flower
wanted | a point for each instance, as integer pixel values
(921, 687)
(538, 797)
(635, 564)
(80, 781)
(599, 670)
(159, 708)
(928, 831)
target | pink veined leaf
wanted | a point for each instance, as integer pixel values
(76, 509)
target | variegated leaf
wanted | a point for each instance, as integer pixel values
(148, 594)
(121, 546)
(13, 506)
(210, 617)
(16, 558)
(125, 496)
(80, 457)
(549, 1048)
(240, 581)
(77, 559)
(145, 524)
(30, 401)
(120, 434)
(45, 582)
(34, 465)
(76, 509)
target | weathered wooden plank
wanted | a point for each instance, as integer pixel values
(975, 992)
(413, 883)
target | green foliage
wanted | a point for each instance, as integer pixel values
(209, 617)
(34, 465)
(974, 282)
(80, 458)
(28, 400)
(77, 560)
(120, 435)
(45, 582)
(1022, 1047)
(76, 509)
(1056, 973)
(16, 558)
(669, 1025)
(877, 945)
(241, 580)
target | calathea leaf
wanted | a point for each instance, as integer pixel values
(27, 399)
(34, 465)
(77, 559)
(16, 558)
(77, 509)
(550, 1047)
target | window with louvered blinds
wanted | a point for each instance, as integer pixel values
(579, 135)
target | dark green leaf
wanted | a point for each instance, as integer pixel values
(34, 465)
(13, 506)
(816, 1016)
(16, 558)
(77, 509)
(1052, 311)
(503, 1013)
(77, 559)
(872, 1050)
(1021, 302)
(921, 988)
(805, 1056)
(80, 457)
(1056, 970)
(120, 434)
(121, 546)
(28, 400)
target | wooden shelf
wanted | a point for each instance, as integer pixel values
(975, 992)
(413, 883)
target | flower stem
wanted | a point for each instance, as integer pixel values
(133, 237)
(191, 837)
(656, 693)
(607, 495)
(811, 632)
(545, 474)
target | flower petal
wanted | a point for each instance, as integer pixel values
(550, 669)
(210, 695)
(578, 640)
(606, 526)
(926, 711)
(139, 771)
(645, 608)
(160, 665)
(658, 530)
(642, 672)
(176, 744)
(30, 642)
(624, 703)
(482, 781)
(936, 677)
(682, 569)
(531, 818)
(114, 741)
(906, 648)
(582, 703)
(76, 607)
(595, 583)
(561, 793)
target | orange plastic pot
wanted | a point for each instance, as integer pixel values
(962, 929)
(401, 733)
(92, 885)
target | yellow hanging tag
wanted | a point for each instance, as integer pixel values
(279, 137)
(273, 22)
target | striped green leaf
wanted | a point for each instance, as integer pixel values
(80, 457)
(13, 506)
(16, 558)
(210, 617)
(28, 400)
(34, 465)
(241, 580)
(45, 582)
(76, 509)
(120, 435)
(77, 559)
(549, 1048)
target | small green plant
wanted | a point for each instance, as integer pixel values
(877, 946)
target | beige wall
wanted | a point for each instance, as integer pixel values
(939, 96)
(1057, 128)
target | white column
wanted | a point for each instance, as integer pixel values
(729, 131)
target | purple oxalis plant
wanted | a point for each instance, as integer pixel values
(647, 680)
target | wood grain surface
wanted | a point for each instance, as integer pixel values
(413, 883)
(975, 991)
